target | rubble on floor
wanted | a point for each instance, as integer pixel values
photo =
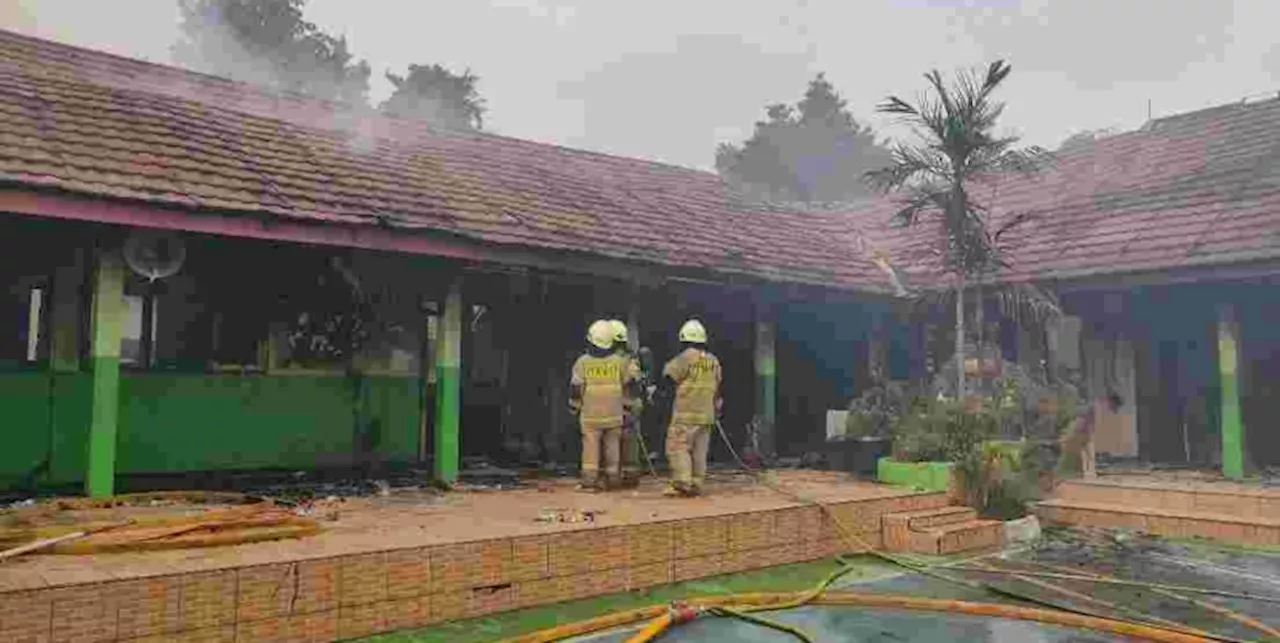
(300, 493)
(569, 515)
(147, 521)
(481, 474)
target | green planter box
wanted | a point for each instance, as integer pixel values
(925, 476)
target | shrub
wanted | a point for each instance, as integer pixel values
(996, 478)
(1000, 478)
(941, 430)
(1009, 388)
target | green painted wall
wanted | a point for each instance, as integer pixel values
(25, 433)
(72, 416)
(28, 420)
(203, 422)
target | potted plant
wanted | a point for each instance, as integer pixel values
(867, 433)
(918, 458)
(934, 442)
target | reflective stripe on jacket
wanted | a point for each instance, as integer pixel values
(697, 375)
(602, 380)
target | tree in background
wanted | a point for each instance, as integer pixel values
(267, 42)
(957, 148)
(437, 95)
(813, 152)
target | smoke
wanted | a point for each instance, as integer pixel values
(313, 84)
(362, 127)
(297, 73)
(210, 46)
(271, 46)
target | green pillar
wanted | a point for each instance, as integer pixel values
(766, 382)
(108, 318)
(1231, 422)
(449, 386)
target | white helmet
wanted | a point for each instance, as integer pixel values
(693, 332)
(619, 330)
(600, 334)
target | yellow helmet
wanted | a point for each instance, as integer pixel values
(600, 334)
(693, 332)
(619, 330)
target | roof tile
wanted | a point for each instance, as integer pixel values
(1196, 188)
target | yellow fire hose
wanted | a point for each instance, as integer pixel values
(1104, 580)
(1119, 609)
(741, 606)
(653, 629)
(663, 618)
(856, 544)
(1205, 605)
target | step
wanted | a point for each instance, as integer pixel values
(897, 527)
(1188, 497)
(954, 538)
(924, 518)
(1235, 528)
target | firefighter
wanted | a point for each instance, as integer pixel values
(633, 403)
(597, 386)
(694, 377)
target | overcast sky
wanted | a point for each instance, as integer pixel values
(669, 79)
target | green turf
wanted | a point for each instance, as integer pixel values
(787, 578)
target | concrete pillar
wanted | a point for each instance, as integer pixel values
(1112, 366)
(431, 334)
(766, 366)
(1064, 343)
(107, 319)
(877, 366)
(1126, 384)
(1231, 421)
(449, 386)
(633, 327)
(64, 350)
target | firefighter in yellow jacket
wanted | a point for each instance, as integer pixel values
(633, 404)
(695, 377)
(598, 384)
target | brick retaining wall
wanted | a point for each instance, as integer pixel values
(334, 598)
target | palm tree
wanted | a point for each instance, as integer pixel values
(957, 149)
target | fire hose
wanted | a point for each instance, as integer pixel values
(742, 606)
(662, 617)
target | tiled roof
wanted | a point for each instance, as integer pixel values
(94, 124)
(1195, 190)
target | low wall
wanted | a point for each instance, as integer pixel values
(329, 598)
(180, 422)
